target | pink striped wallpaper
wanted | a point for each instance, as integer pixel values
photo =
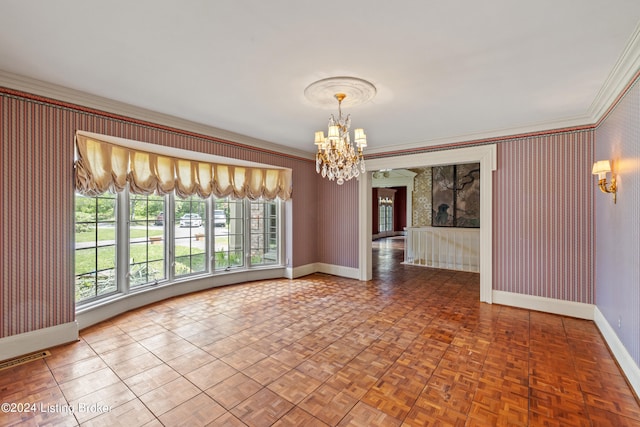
(35, 267)
(617, 226)
(36, 273)
(543, 217)
(337, 226)
(543, 242)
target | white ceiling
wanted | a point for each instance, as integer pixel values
(444, 70)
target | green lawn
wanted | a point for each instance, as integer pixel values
(85, 259)
(147, 260)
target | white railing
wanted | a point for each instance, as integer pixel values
(443, 247)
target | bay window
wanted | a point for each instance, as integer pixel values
(165, 231)
(145, 218)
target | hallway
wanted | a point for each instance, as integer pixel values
(413, 347)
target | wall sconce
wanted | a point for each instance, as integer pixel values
(601, 168)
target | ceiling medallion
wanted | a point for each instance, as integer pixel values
(337, 159)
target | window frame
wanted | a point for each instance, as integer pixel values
(123, 285)
(127, 199)
(240, 206)
(96, 247)
(206, 223)
(385, 215)
(249, 234)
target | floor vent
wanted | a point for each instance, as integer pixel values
(23, 359)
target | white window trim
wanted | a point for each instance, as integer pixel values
(127, 297)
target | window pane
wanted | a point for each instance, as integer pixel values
(228, 240)
(243, 234)
(263, 234)
(389, 218)
(191, 230)
(95, 246)
(146, 240)
(385, 209)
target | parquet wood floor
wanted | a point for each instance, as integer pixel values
(413, 347)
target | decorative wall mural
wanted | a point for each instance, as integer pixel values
(456, 195)
(422, 209)
(442, 193)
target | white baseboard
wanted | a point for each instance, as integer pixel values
(119, 304)
(319, 267)
(107, 309)
(581, 311)
(547, 305)
(30, 342)
(338, 270)
(622, 356)
(303, 270)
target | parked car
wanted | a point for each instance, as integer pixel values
(219, 219)
(191, 220)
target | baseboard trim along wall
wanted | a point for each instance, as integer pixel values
(581, 311)
(107, 309)
(546, 305)
(338, 270)
(41, 339)
(303, 270)
(319, 267)
(620, 353)
(30, 342)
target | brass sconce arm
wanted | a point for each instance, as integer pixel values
(601, 168)
(602, 183)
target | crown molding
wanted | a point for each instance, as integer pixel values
(577, 123)
(624, 73)
(621, 77)
(87, 100)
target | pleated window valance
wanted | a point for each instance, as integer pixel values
(102, 166)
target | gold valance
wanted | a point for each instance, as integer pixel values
(104, 166)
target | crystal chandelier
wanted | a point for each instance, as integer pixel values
(337, 159)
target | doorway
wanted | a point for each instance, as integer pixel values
(486, 155)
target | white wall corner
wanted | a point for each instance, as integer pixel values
(338, 270)
(40, 339)
(364, 227)
(319, 267)
(288, 273)
(302, 270)
(620, 353)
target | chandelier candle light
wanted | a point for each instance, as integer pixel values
(336, 157)
(340, 157)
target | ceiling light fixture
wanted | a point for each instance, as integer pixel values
(337, 157)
